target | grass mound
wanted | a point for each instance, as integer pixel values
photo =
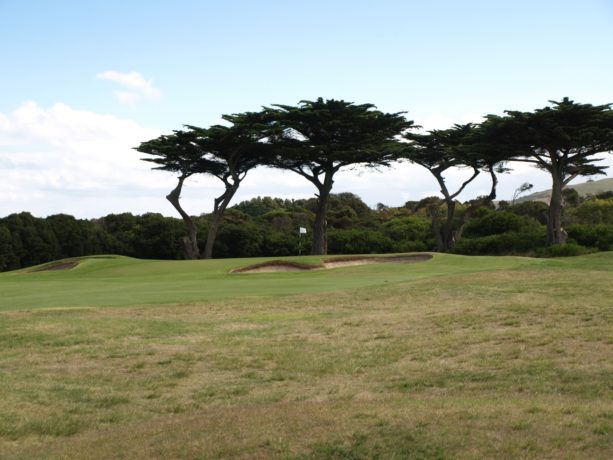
(65, 264)
(272, 266)
(60, 265)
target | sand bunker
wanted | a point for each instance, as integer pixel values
(287, 266)
(57, 266)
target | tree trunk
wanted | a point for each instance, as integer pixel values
(445, 236)
(474, 205)
(320, 226)
(555, 234)
(433, 210)
(448, 236)
(221, 203)
(212, 234)
(190, 241)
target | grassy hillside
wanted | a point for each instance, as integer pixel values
(586, 188)
(456, 357)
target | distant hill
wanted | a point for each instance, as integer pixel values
(586, 188)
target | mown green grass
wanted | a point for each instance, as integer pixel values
(456, 357)
(122, 281)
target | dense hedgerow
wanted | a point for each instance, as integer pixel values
(595, 236)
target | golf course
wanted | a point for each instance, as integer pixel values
(408, 356)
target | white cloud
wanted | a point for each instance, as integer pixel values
(64, 160)
(61, 159)
(137, 85)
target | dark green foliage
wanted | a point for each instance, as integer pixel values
(26, 240)
(569, 249)
(562, 139)
(604, 195)
(71, 235)
(462, 146)
(534, 209)
(594, 236)
(158, 237)
(279, 220)
(349, 200)
(321, 134)
(262, 205)
(342, 218)
(316, 139)
(238, 240)
(497, 222)
(501, 232)
(121, 237)
(409, 233)
(279, 244)
(523, 188)
(225, 152)
(358, 241)
(179, 153)
(571, 197)
(150, 236)
(33, 240)
(522, 242)
(594, 212)
(354, 229)
(239, 236)
(567, 132)
(7, 258)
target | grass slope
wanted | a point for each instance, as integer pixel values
(585, 188)
(453, 358)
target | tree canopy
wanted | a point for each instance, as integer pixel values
(561, 139)
(316, 139)
(179, 153)
(225, 152)
(438, 151)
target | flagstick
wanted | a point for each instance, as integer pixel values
(301, 231)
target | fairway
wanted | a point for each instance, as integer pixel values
(122, 281)
(452, 357)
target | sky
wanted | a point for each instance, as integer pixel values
(82, 83)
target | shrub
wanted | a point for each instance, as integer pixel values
(564, 250)
(496, 223)
(278, 244)
(344, 217)
(521, 242)
(537, 210)
(358, 241)
(594, 212)
(236, 239)
(6, 250)
(408, 228)
(595, 236)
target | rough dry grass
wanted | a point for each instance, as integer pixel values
(510, 363)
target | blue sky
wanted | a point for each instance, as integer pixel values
(82, 82)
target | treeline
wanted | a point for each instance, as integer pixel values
(269, 227)
(317, 139)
